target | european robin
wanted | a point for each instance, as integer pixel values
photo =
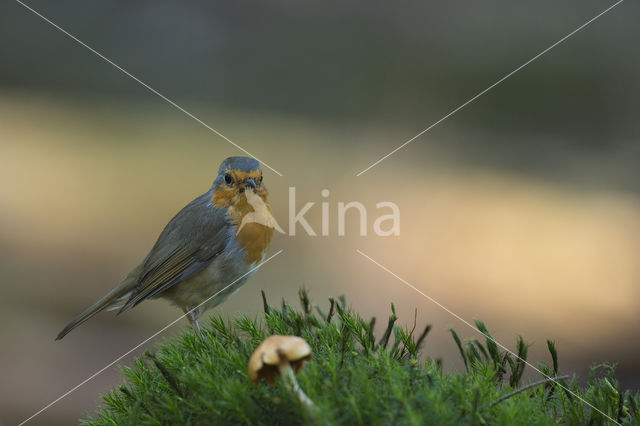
(212, 241)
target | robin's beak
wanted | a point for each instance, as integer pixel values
(247, 184)
(250, 183)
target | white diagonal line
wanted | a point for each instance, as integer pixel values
(145, 341)
(151, 89)
(492, 86)
(408, 284)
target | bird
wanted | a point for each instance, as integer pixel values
(213, 245)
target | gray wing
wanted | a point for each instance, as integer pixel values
(189, 242)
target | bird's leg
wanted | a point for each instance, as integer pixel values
(191, 315)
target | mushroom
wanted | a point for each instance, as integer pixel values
(282, 356)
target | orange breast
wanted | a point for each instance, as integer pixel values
(255, 239)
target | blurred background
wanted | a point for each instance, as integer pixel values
(523, 209)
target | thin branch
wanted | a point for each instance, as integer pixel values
(529, 386)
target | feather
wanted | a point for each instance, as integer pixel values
(189, 242)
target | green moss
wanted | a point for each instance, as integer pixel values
(352, 379)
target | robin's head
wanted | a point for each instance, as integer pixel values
(235, 176)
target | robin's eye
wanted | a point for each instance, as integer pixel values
(228, 179)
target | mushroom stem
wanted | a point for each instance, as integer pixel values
(292, 384)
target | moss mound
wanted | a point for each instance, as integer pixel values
(353, 378)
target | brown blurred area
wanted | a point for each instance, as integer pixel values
(522, 210)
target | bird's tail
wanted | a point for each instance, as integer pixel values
(116, 296)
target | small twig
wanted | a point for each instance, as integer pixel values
(384, 340)
(422, 337)
(304, 300)
(265, 305)
(165, 372)
(331, 309)
(529, 386)
(415, 322)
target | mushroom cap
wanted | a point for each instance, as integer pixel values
(274, 351)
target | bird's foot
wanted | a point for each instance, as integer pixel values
(192, 315)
